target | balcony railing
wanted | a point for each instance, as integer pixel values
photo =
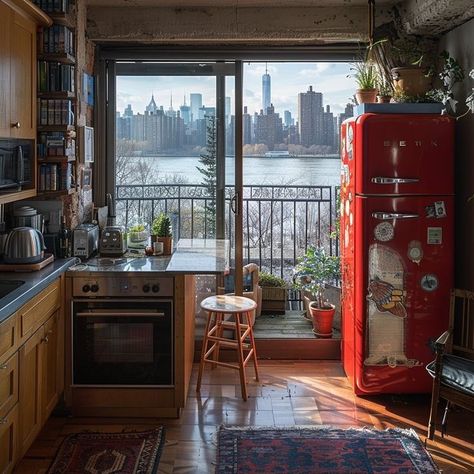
(279, 222)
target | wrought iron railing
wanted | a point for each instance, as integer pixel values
(279, 221)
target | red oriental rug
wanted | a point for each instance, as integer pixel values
(118, 453)
(321, 450)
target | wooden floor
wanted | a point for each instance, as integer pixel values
(289, 393)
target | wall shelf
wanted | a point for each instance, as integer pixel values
(65, 58)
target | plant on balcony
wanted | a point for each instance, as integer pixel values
(273, 293)
(313, 272)
(161, 232)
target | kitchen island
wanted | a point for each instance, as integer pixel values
(130, 331)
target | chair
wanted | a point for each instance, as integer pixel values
(453, 374)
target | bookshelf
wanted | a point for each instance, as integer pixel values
(56, 102)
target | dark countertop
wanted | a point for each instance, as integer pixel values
(192, 257)
(34, 282)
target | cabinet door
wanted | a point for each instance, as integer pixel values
(23, 77)
(9, 441)
(52, 365)
(5, 21)
(30, 389)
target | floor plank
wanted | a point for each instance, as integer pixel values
(289, 393)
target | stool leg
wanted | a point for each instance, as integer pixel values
(252, 344)
(243, 382)
(215, 355)
(203, 351)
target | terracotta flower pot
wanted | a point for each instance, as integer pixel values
(383, 99)
(167, 244)
(411, 81)
(366, 96)
(322, 319)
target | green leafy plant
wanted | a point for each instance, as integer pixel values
(384, 87)
(137, 228)
(161, 226)
(268, 280)
(314, 271)
(365, 74)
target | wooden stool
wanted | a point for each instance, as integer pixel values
(237, 307)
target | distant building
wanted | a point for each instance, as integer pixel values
(269, 128)
(266, 92)
(310, 113)
(228, 111)
(328, 131)
(287, 118)
(247, 127)
(196, 104)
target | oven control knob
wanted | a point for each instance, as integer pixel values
(86, 288)
(155, 288)
(94, 288)
(146, 288)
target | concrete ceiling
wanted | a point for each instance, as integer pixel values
(234, 3)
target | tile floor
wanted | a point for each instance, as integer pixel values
(289, 393)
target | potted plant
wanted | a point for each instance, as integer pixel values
(273, 293)
(161, 232)
(385, 90)
(313, 272)
(365, 75)
(137, 236)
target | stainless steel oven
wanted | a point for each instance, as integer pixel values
(122, 332)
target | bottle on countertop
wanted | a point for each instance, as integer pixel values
(64, 237)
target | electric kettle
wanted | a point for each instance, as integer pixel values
(24, 245)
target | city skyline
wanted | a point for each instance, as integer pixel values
(287, 81)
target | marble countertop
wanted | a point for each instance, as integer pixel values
(33, 283)
(191, 256)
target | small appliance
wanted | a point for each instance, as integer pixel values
(113, 242)
(85, 240)
(16, 165)
(24, 245)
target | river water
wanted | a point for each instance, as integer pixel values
(300, 171)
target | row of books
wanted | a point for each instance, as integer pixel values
(56, 39)
(55, 77)
(55, 144)
(55, 176)
(55, 112)
(53, 6)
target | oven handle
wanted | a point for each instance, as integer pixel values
(118, 313)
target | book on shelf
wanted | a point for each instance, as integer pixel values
(57, 39)
(55, 144)
(53, 6)
(55, 112)
(55, 177)
(55, 77)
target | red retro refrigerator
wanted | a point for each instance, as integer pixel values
(396, 247)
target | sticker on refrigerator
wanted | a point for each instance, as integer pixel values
(415, 251)
(387, 298)
(434, 236)
(436, 210)
(429, 282)
(384, 232)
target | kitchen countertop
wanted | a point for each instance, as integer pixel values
(192, 257)
(34, 282)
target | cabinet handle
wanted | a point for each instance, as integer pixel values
(3, 367)
(45, 340)
(16, 125)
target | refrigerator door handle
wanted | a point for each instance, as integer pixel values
(393, 215)
(387, 180)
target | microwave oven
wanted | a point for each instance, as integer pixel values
(16, 165)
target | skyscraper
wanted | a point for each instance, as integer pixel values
(185, 111)
(310, 115)
(266, 91)
(287, 118)
(227, 111)
(196, 104)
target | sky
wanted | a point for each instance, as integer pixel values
(287, 80)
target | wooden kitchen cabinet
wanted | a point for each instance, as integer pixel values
(18, 23)
(30, 388)
(9, 441)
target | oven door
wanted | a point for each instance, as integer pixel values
(122, 342)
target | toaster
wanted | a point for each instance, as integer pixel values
(113, 242)
(85, 240)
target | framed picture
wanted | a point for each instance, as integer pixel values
(87, 144)
(86, 178)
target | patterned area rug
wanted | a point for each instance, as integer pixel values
(104, 453)
(321, 450)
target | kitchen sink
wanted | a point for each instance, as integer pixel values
(7, 286)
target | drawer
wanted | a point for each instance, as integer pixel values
(9, 440)
(39, 309)
(8, 384)
(9, 337)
